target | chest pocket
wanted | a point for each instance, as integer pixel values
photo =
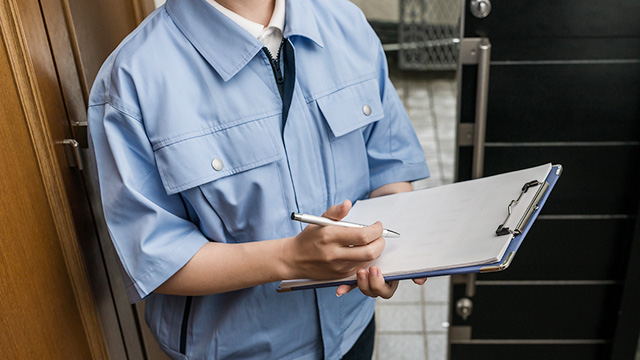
(235, 168)
(348, 112)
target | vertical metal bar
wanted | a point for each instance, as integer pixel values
(482, 56)
(470, 289)
(482, 97)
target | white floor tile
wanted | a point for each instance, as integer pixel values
(436, 290)
(437, 346)
(437, 318)
(401, 347)
(405, 318)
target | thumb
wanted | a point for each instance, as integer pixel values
(337, 212)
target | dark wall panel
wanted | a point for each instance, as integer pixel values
(530, 352)
(579, 249)
(542, 312)
(595, 180)
(591, 102)
(556, 19)
(564, 87)
(565, 49)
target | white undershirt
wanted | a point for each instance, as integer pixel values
(270, 36)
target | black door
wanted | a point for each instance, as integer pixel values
(561, 80)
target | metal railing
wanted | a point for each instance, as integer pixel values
(429, 34)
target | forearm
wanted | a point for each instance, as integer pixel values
(392, 188)
(219, 267)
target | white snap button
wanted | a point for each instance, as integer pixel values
(366, 110)
(217, 164)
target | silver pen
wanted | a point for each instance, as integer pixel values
(323, 221)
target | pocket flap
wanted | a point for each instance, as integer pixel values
(195, 161)
(352, 107)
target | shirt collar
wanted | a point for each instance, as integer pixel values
(255, 29)
(209, 30)
(277, 19)
(302, 21)
(271, 35)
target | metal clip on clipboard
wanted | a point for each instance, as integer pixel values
(533, 206)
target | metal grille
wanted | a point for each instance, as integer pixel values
(429, 32)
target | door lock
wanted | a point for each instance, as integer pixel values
(480, 8)
(464, 306)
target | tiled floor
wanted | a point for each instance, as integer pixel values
(414, 323)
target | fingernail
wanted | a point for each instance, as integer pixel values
(362, 275)
(338, 295)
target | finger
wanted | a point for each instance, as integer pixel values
(355, 236)
(420, 281)
(378, 286)
(337, 212)
(343, 289)
(362, 277)
(363, 254)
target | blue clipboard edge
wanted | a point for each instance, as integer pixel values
(501, 265)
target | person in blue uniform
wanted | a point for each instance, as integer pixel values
(209, 125)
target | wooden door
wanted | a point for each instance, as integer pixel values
(82, 35)
(46, 307)
(61, 296)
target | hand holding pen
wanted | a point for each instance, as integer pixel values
(324, 221)
(334, 252)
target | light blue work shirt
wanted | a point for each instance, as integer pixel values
(186, 129)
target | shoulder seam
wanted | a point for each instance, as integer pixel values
(118, 109)
(106, 97)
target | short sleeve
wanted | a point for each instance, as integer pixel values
(393, 149)
(149, 229)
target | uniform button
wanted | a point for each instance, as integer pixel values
(217, 164)
(366, 110)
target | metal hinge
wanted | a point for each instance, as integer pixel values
(459, 334)
(465, 134)
(79, 131)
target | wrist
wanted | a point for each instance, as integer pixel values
(286, 269)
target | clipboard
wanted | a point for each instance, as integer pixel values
(519, 232)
